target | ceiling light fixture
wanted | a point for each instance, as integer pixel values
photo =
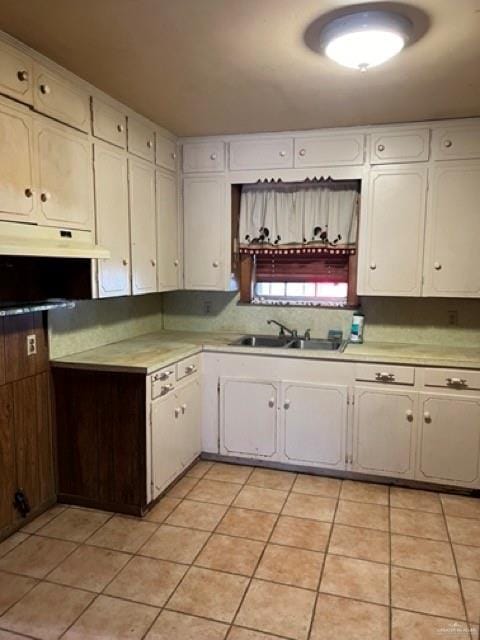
(365, 39)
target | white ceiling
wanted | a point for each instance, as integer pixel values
(231, 66)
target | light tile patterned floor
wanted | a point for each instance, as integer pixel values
(236, 553)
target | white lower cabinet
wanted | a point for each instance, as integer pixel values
(314, 424)
(449, 440)
(383, 432)
(248, 417)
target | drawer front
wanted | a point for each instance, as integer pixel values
(452, 379)
(400, 146)
(16, 74)
(385, 373)
(166, 153)
(314, 151)
(261, 154)
(203, 156)
(109, 123)
(163, 381)
(188, 367)
(141, 139)
(57, 97)
(451, 143)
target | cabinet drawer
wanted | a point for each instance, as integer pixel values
(57, 97)
(109, 123)
(385, 373)
(203, 156)
(452, 378)
(166, 152)
(188, 367)
(314, 151)
(16, 74)
(261, 154)
(461, 142)
(400, 146)
(141, 139)
(163, 381)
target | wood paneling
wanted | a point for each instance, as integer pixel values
(18, 364)
(26, 439)
(2, 354)
(7, 457)
(101, 442)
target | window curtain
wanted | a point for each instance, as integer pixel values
(302, 218)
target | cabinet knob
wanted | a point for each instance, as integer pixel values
(177, 411)
(381, 147)
(184, 408)
(120, 128)
(448, 144)
(176, 263)
(165, 375)
(125, 262)
(173, 155)
(45, 89)
(302, 152)
(45, 196)
(28, 192)
(149, 144)
(190, 369)
(153, 262)
(286, 404)
(437, 266)
(271, 402)
(283, 154)
(215, 264)
(22, 75)
(373, 266)
(213, 156)
(409, 415)
(166, 388)
(427, 417)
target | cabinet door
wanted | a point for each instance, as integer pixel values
(65, 176)
(141, 139)
(270, 153)
(456, 142)
(16, 73)
(399, 145)
(449, 440)
(391, 261)
(329, 149)
(452, 258)
(111, 204)
(143, 227)
(189, 436)
(315, 424)
(206, 223)
(166, 462)
(17, 194)
(383, 432)
(109, 123)
(248, 417)
(57, 97)
(165, 152)
(8, 483)
(203, 156)
(168, 245)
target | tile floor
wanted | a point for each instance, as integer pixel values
(238, 553)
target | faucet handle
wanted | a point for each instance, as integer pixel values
(307, 334)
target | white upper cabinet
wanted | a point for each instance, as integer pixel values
(141, 139)
(143, 226)
(168, 241)
(199, 157)
(314, 424)
(206, 229)
(57, 97)
(267, 153)
(399, 145)
(452, 258)
(383, 432)
(166, 152)
(329, 149)
(65, 177)
(111, 206)
(391, 246)
(18, 196)
(16, 74)
(109, 123)
(449, 440)
(456, 142)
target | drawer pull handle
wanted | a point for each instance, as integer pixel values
(409, 415)
(190, 369)
(165, 375)
(22, 75)
(427, 417)
(166, 388)
(383, 376)
(457, 382)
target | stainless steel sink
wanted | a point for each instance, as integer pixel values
(314, 344)
(262, 341)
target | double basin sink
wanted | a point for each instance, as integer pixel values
(289, 342)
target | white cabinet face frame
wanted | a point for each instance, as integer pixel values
(452, 258)
(399, 145)
(384, 431)
(314, 424)
(448, 448)
(391, 258)
(249, 410)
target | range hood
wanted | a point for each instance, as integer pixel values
(47, 242)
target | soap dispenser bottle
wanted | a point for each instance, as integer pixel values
(358, 324)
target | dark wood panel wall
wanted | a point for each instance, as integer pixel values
(26, 452)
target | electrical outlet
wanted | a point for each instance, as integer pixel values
(207, 307)
(452, 320)
(31, 344)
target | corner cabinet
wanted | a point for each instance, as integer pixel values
(168, 231)
(206, 229)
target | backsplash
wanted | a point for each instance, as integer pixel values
(420, 321)
(94, 323)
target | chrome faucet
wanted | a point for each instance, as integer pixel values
(284, 329)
